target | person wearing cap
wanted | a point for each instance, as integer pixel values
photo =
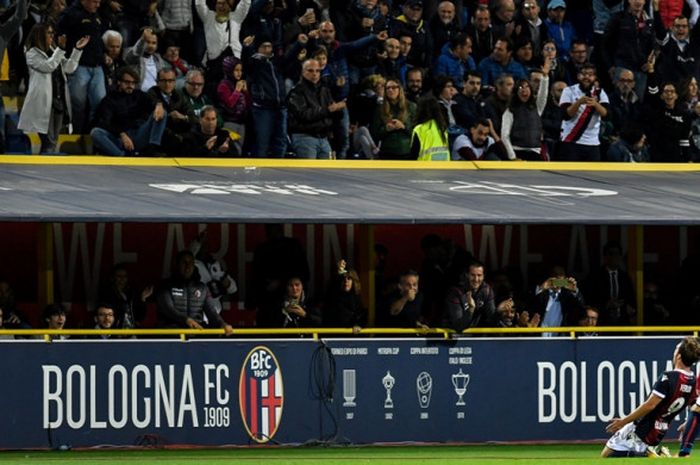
(411, 22)
(628, 42)
(560, 30)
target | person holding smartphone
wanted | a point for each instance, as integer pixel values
(558, 300)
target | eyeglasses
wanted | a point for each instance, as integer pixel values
(626, 80)
(527, 6)
(550, 49)
(195, 84)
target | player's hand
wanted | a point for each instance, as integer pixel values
(615, 425)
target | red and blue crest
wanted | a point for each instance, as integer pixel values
(261, 394)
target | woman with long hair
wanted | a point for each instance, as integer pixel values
(521, 125)
(689, 94)
(234, 98)
(393, 123)
(48, 100)
(343, 305)
(430, 140)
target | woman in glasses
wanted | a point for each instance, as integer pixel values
(47, 105)
(393, 123)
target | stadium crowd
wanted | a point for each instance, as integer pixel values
(450, 289)
(374, 79)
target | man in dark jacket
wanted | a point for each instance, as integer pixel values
(128, 121)
(183, 300)
(181, 117)
(311, 113)
(471, 302)
(206, 140)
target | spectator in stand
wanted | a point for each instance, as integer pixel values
(47, 103)
(578, 57)
(405, 44)
(4, 336)
(558, 301)
(635, 30)
(454, 60)
(296, 310)
(470, 303)
(362, 109)
(558, 29)
(392, 126)
(87, 83)
(589, 319)
(274, 262)
(444, 26)
(444, 90)
(113, 60)
(524, 53)
(177, 63)
(104, 319)
(469, 105)
(695, 134)
(183, 299)
(481, 142)
(531, 26)
(631, 147)
(507, 315)
(557, 70)
(178, 21)
(343, 306)
(222, 28)
(625, 104)
(145, 58)
(503, 20)
(411, 22)
(688, 93)
(404, 306)
(500, 63)
(311, 114)
(55, 317)
(610, 289)
(129, 16)
(392, 64)
(584, 105)
(234, 99)
(129, 305)
(482, 34)
(679, 55)
(552, 117)
(206, 139)
(12, 316)
(194, 92)
(656, 312)
(496, 103)
(128, 121)
(181, 117)
(430, 134)
(521, 126)
(269, 109)
(414, 84)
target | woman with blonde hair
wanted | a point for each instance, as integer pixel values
(48, 100)
(393, 123)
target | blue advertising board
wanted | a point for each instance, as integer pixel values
(238, 392)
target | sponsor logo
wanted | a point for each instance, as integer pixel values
(261, 394)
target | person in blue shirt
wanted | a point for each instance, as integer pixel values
(455, 59)
(500, 62)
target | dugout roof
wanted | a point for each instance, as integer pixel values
(77, 189)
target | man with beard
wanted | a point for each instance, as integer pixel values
(206, 140)
(146, 59)
(471, 302)
(481, 142)
(584, 105)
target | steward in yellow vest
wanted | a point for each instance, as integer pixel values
(433, 142)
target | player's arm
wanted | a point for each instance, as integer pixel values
(650, 404)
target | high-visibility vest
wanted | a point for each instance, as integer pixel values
(432, 146)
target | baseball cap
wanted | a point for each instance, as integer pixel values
(414, 3)
(554, 4)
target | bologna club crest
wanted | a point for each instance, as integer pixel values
(261, 394)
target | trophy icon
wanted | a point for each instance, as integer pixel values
(388, 381)
(349, 390)
(460, 381)
(424, 387)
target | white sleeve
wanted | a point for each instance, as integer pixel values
(506, 126)
(542, 94)
(694, 12)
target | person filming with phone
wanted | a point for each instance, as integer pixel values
(558, 300)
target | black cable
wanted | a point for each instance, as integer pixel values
(322, 385)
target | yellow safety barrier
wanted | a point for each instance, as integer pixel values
(316, 333)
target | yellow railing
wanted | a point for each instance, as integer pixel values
(316, 333)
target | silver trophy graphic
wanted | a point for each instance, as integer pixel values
(460, 381)
(388, 381)
(424, 388)
(349, 391)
